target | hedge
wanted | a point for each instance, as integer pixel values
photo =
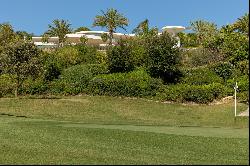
(75, 79)
(135, 83)
(200, 76)
(195, 93)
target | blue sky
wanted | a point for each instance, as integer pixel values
(35, 15)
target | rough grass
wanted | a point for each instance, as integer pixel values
(107, 130)
(113, 110)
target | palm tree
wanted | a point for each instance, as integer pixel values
(60, 29)
(143, 29)
(111, 20)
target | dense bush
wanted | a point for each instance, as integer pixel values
(222, 69)
(37, 86)
(75, 79)
(199, 57)
(52, 67)
(163, 58)
(88, 55)
(136, 83)
(7, 85)
(78, 54)
(195, 93)
(68, 55)
(119, 57)
(200, 76)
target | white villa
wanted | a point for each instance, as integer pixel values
(94, 37)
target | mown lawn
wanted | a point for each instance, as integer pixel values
(111, 130)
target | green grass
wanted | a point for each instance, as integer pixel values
(108, 130)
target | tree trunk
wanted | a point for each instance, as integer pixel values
(110, 37)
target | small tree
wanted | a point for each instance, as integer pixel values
(20, 60)
(163, 57)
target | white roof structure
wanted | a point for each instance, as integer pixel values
(94, 37)
(173, 29)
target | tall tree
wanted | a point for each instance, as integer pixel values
(59, 28)
(111, 20)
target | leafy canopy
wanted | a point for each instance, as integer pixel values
(112, 20)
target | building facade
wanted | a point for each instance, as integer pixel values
(94, 37)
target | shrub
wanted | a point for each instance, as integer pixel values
(119, 57)
(172, 92)
(243, 96)
(75, 79)
(223, 69)
(200, 76)
(68, 55)
(7, 85)
(163, 58)
(195, 93)
(79, 54)
(199, 57)
(242, 82)
(136, 83)
(32, 87)
(87, 55)
(52, 66)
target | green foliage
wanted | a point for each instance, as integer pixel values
(143, 29)
(20, 60)
(83, 40)
(188, 39)
(82, 29)
(243, 67)
(204, 30)
(242, 24)
(232, 45)
(163, 58)
(76, 78)
(24, 35)
(87, 54)
(242, 82)
(7, 85)
(243, 96)
(120, 58)
(223, 69)
(200, 76)
(199, 57)
(68, 55)
(196, 93)
(79, 54)
(104, 37)
(7, 35)
(52, 66)
(112, 20)
(34, 87)
(136, 83)
(59, 28)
